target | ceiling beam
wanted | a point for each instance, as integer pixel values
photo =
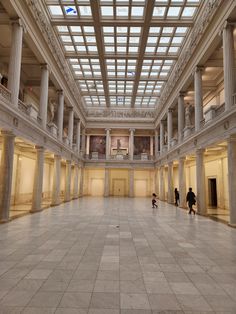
(113, 22)
(118, 56)
(121, 79)
(99, 38)
(144, 37)
(121, 94)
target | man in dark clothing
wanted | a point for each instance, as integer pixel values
(191, 200)
(176, 197)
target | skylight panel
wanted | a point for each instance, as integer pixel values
(55, 10)
(109, 40)
(78, 39)
(80, 48)
(135, 30)
(154, 30)
(189, 11)
(66, 39)
(173, 49)
(164, 40)
(75, 29)
(122, 11)
(133, 49)
(62, 29)
(69, 48)
(134, 40)
(167, 30)
(106, 11)
(173, 11)
(152, 40)
(92, 48)
(88, 29)
(177, 40)
(90, 39)
(71, 10)
(181, 30)
(137, 11)
(159, 11)
(108, 29)
(85, 11)
(120, 29)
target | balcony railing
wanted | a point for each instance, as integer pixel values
(5, 93)
(23, 107)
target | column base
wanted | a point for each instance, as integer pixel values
(56, 203)
(75, 197)
(32, 211)
(67, 200)
(4, 220)
(233, 225)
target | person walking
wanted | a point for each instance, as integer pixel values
(176, 197)
(154, 200)
(191, 200)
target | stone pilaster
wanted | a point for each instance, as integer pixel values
(198, 97)
(108, 141)
(87, 144)
(156, 143)
(229, 65)
(68, 181)
(182, 182)
(170, 183)
(81, 184)
(201, 188)
(181, 113)
(232, 180)
(76, 182)
(15, 61)
(38, 180)
(157, 182)
(131, 182)
(131, 144)
(78, 128)
(71, 126)
(60, 114)
(83, 148)
(6, 170)
(18, 179)
(106, 183)
(56, 187)
(170, 126)
(162, 183)
(162, 131)
(43, 102)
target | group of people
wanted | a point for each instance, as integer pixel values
(190, 199)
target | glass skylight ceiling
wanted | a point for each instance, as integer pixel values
(119, 56)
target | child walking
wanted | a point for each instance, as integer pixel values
(154, 200)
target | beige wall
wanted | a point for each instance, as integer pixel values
(119, 178)
(94, 182)
(143, 183)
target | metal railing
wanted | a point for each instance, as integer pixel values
(5, 93)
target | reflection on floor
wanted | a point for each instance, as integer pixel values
(19, 210)
(218, 214)
(117, 256)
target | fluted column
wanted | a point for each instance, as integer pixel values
(60, 114)
(162, 130)
(170, 183)
(162, 183)
(78, 127)
(56, 188)
(131, 182)
(170, 126)
(43, 102)
(6, 171)
(200, 177)
(131, 144)
(232, 179)
(76, 181)
(181, 113)
(71, 126)
(156, 143)
(68, 181)
(182, 182)
(229, 65)
(198, 97)
(38, 179)
(15, 61)
(106, 183)
(108, 140)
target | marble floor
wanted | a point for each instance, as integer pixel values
(117, 256)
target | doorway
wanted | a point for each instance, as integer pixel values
(212, 188)
(119, 187)
(97, 187)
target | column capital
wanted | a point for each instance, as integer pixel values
(57, 156)
(227, 25)
(7, 133)
(19, 22)
(108, 130)
(182, 94)
(45, 66)
(39, 148)
(70, 108)
(200, 151)
(198, 68)
(182, 158)
(132, 130)
(68, 162)
(231, 139)
(60, 92)
(170, 110)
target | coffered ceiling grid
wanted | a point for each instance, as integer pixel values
(122, 51)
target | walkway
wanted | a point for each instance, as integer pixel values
(115, 255)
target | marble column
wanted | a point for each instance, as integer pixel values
(162, 183)
(108, 140)
(131, 144)
(182, 182)
(81, 184)
(200, 177)
(156, 144)
(78, 127)
(87, 144)
(60, 114)
(107, 183)
(170, 126)
(198, 97)
(131, 182)
(68, 181)
(38, 180)
(18, 179)
(83, 142)
(162, 132)
(6, 171)
(181, 114)
(170, 183)
(232, 179)
(71, 126)
(151, 145)
(157, 182)
(15, 61)
(76, 181)
(56, 187)
(43, 102)
(229, 65)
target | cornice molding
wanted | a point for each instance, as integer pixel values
(195, 36)
(120, 113)
(48, 34)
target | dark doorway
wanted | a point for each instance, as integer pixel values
(212, 192)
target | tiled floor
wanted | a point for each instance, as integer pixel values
(116, 255)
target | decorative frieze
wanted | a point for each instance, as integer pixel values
(118, 113)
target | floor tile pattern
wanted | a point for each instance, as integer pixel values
(117, 256)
